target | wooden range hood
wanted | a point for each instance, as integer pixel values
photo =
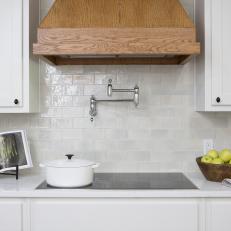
(116, 32)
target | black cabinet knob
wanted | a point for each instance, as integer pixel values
(69, 156)
(218, 99)
(16, 101)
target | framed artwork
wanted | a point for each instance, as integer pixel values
(14, 150)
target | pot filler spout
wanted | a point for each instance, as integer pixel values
(110, 90)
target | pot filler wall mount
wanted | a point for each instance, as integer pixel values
(110, 90)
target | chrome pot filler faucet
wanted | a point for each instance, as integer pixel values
(110, 90)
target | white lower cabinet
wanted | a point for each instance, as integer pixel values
(218, 212)
(114, 215)
(11, 215)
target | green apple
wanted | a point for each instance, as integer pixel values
(225, 155)
(217, 161)
(206, 159)
(230, 162)
(213, 154)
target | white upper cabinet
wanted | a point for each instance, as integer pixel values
(11, 52)
(19, 80)
(221, 66)
(213, 67)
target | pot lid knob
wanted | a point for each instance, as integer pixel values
(69, 156)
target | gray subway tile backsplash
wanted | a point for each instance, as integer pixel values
(163, 133)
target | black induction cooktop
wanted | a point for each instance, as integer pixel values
(139, 181)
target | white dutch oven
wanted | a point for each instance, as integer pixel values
(69, 173)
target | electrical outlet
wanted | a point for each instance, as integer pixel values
(208, 145)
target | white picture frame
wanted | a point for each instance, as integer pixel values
(14, 150)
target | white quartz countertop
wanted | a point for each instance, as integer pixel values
(25, 188)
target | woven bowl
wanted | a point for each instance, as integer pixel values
(214, 172)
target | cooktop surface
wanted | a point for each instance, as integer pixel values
(141, 181)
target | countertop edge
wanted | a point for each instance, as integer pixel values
(25, 188)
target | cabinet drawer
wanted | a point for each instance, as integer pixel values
(114, 215)
(10, 215)
(218, 214)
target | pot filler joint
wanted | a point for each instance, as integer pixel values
(110, 90)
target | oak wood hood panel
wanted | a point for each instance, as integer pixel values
(101, 29)
(116, 13)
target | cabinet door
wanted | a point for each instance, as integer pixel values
(10, 52)
(10, 215)
(114, 215)
(218, 215)
(221, 51)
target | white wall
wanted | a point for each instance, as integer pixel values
(164, 133)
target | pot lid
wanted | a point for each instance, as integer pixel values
(69, 163)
